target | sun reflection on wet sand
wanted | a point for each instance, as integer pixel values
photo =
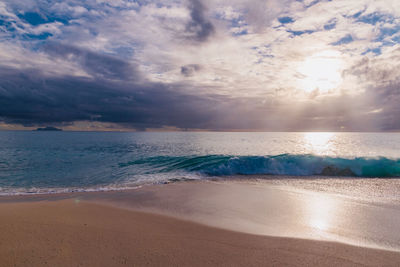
(320, 211)
(262, 208)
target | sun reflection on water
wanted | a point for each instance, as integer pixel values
(319, 143)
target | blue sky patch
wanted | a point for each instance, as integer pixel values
(376, 51)
(345, 40)
(35, 19)
(285, 20)
(374, 18)
(356, 15)
(330, 25)
(298, 33)
(42, 36)
(6, 25)
(243, 32)
(313, 3)
(387, 32)
(396, 39)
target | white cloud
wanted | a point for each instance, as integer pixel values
(250, 55)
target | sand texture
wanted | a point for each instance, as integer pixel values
(77, 233)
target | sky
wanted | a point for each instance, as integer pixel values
(218, 65)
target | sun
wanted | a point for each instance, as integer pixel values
(321, 71)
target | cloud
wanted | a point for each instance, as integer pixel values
(189, 70)
(344, 40)
(199, 27)
(200, 64)
(28, 97)
(96, 64)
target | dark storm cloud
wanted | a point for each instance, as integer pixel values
(96, 64)
(386, 100)
(189, 70)
(115, 93)
(199, 28)
(29, 98)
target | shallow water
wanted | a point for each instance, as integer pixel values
(33, 162)
(264, 208)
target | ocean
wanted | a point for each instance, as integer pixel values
(50, 162)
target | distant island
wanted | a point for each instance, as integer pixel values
(48, 129)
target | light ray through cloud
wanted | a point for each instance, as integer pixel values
(200, 65)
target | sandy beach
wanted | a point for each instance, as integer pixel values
(130, 228)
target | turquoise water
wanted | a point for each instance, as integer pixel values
(32, 162)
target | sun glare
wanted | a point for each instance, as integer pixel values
(319, 143)
(321, 211)
(321, 71)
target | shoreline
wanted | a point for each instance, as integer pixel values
(271, 179)
(65, 233)
(232, 216)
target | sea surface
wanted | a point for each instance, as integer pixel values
(50, 162)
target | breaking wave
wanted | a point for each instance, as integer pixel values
(285, 164)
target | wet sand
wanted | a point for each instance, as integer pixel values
(158, 226)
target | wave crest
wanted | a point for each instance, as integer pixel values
(285, 164)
